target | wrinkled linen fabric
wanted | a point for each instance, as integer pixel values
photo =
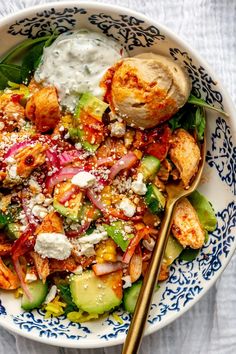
(210, 326)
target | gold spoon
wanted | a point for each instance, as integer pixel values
(174, 193)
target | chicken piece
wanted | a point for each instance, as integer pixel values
(11, 113)
(42, 265)
(66, 265)
(186, 226)
(8, 279)
(34, 86)
(43, 109)
(5, 249)
(185, 154)
(51, 223)
(29, 158)
(164, 272)
(148, 89)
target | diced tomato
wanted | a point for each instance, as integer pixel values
(16, 98)
(92, 128)
(159, 142)
(24, 243)
(116, 213)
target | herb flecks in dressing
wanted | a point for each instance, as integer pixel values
(76, 62)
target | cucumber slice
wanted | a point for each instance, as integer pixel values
(173, 250)
(94, 294)
(38, 291)
(149, 166)
(12, 230)
(131, 296)
(155, 200)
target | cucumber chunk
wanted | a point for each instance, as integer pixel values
(154, 199)
(149, 166)
(38, 291)
(12, 230)
(94, 294)
(131, 296)
(173, 250)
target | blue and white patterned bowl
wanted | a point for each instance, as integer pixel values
(188, 281)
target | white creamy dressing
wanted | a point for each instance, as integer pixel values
(76, 62)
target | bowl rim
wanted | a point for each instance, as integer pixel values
(97, 343)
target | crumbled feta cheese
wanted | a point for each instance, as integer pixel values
(39, 198)
(87, 250)
(30, 277)
(34, 186)
(127, 281)
(67, 136)
(78, 270)
(138, 186)
(85, 244)
(53, 245)
(51, 294)
(83, 179)
(128, 229)
(39, 211)
(94, 237)
(12, 171)
(10, 160)
(127, 207)
(2, 125)
(47, 201)
(117, 129)
(78, 146)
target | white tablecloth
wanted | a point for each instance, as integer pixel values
(210, 326)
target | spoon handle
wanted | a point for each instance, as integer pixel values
(136, 329)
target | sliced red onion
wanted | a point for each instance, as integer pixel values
(52, 159)
(93, 199)
(126, 162)
(19, 272)
(80, 231)
(105, 161)
(14, 149)
(106, 268)
(60, 176)
(69, 156)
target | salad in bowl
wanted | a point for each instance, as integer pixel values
(101, 108)
(89, 138)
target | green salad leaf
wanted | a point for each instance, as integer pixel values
(17, 51)
(30, 52)
(9, 72)
(189, 254)
(65, 294)
(201, 103)
(31, 61)
(204, 210)
(190, 118)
